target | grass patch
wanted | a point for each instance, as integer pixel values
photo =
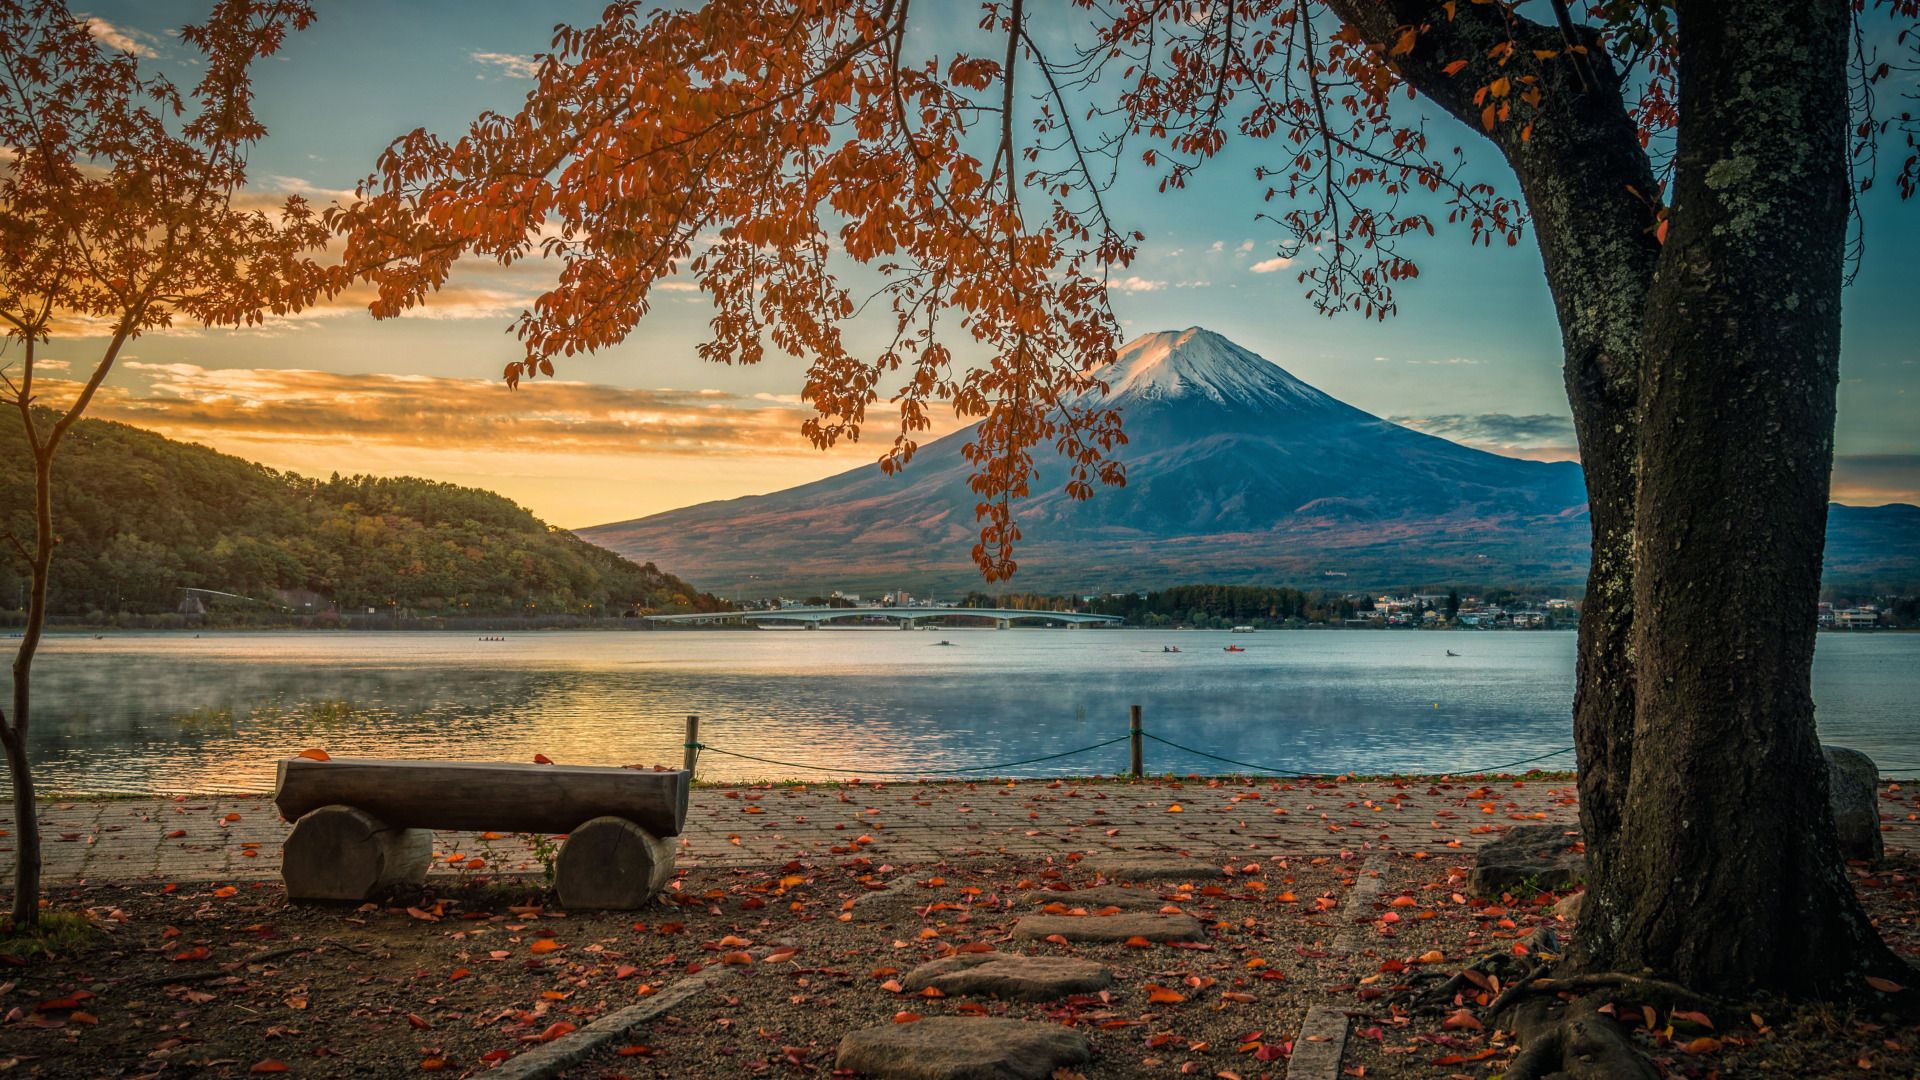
(57, 933)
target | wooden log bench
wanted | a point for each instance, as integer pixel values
(365, 825)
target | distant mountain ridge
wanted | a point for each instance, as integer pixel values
(1237, 472)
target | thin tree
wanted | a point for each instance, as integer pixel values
(118, 215)
(1687, 168)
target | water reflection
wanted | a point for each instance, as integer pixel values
(172, 712)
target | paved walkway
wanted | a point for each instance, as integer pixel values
(238, 838)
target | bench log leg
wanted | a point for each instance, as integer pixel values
(611, 863)
(341, 853)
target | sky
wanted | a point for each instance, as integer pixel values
(1472, 355)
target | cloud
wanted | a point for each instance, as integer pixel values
(545, 416)
(1540, 437)
(1136, 284)
(512, 65)
(1268, 266)
(1874, 479)
(121, 40)
(1218, 245)
(1245, 245)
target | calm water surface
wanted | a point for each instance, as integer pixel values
(175, 712)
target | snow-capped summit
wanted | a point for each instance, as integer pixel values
(1190, 363)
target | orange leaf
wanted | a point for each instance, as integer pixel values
(418, 1022)
(1160, 995)
(1455, 68)
(1885, 986)
(1463, 1020)
(555, 1031)
(315, 754)
(542, 759)
(1139, 943)
(225, 891)
(545, 945)
(904, 1017)
(268, 1065)
(1406, 43)
(1486, 117)
(1704, 1045)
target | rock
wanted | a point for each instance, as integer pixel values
(1100, 896)
(1536, 854)
(962, 1048)
(1853, 788)
(1569, 907)
(1012, 976)
(1109, 928)
(344, 853)
(1149, 867)
(611, 863)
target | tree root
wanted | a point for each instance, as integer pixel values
(1575, 1040)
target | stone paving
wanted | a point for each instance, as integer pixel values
(239, 838)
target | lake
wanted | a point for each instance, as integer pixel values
(174, 712)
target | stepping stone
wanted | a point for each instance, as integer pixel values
(963, 1048)
(1149, 867)
(1109, 928)
(1853, 784)
(1528, 853)
(1099, 896)
(1013, 976)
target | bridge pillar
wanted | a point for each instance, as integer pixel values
(906, 624)
(1075, 625)
(813, 624)
(1003, 624)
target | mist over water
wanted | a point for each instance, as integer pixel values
(172, 713)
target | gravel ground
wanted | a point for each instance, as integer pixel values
(194, 980)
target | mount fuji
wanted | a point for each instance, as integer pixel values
(1237, 472)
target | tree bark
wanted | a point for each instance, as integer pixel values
(1726, 874)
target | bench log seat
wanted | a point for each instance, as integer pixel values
(364, 825)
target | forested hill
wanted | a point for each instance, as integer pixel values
(141, 516)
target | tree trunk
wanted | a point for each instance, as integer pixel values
(13, 732)
(1726, 875)
(1579, 172)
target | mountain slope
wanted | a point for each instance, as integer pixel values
(1232, 465)
(141, 517)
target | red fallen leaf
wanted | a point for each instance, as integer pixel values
(970, 1008)
(780, 956)
(1463, 1020)
(975, 947)
(542, 759)
(316, 754)
(496, 1055)
(625, 971)
(1160, 995)
(419, 1022)
(1311, 953)
(1139, 943)
(225, 891)
(635, 1051)
(1271, 975)
(1455, 68)
(198, 952)
(1694, 1017)
(268, 1065)
(80, 1016)
(904, 1017)
(892, 986)
(458, 974)
(1703, 1045)
(1057, 939)
(169, 888)
(434, 1064)
(175, 835)
(932, 992)
(1885, 986)
(1236, 996)
(63, 1003)
(670, 928)
(545, 945)
(555, 1031)
(1269, 1052)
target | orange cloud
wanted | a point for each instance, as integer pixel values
(575, 453)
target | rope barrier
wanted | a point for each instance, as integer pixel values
(909, 772)
(1272, 771)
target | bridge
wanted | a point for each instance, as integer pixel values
(1003, 618)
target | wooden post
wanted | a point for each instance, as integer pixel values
(1134, 731)
(692, 744)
